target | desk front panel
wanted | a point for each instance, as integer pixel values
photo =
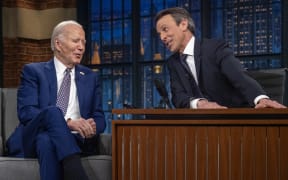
(156, 150)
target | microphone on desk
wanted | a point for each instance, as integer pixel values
(162, 91)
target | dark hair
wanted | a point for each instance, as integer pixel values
(178, 15)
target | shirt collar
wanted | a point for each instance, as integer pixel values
(60, 67)
(189, 49)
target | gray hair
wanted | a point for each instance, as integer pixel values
(59, 30)
(178, 15)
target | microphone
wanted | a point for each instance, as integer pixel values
(162, 91)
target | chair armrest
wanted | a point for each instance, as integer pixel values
(104, 144)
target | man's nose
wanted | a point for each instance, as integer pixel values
(163, 37)
(81, 45)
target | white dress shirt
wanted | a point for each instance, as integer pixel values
(73, 110)
(189, 51)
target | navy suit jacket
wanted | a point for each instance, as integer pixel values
(38, 90)
(221, 77)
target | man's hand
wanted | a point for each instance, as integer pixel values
(92, 123)
(205, 104)
(268, 103)
(86, 128)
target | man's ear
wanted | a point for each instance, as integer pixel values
(57, 44)
(184, 24)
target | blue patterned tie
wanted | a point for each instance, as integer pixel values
(64, 92)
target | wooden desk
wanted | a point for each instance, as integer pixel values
(228, 144)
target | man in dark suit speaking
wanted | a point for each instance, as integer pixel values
(59, 108)
(205, 74)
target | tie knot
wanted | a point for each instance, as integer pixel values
(68, 70)
(183, 57)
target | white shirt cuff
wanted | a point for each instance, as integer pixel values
(258, 98)
(193, 103)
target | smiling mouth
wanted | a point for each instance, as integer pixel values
(169, 44)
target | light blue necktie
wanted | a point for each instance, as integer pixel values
(64, 92)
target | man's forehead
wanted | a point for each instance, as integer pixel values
(167, 19)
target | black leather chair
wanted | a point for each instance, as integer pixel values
(274, 82)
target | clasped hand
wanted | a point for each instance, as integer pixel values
(86, 128)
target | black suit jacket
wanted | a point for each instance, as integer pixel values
(221, 77)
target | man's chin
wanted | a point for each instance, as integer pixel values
(173, 50)
(77, 61)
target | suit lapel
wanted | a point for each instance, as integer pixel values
(50, 73)
(183, 72)
(80, 84)
(183, 63)
(188, 78)
(197, 57)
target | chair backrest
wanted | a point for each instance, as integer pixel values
(9, 112)
(274, 82)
